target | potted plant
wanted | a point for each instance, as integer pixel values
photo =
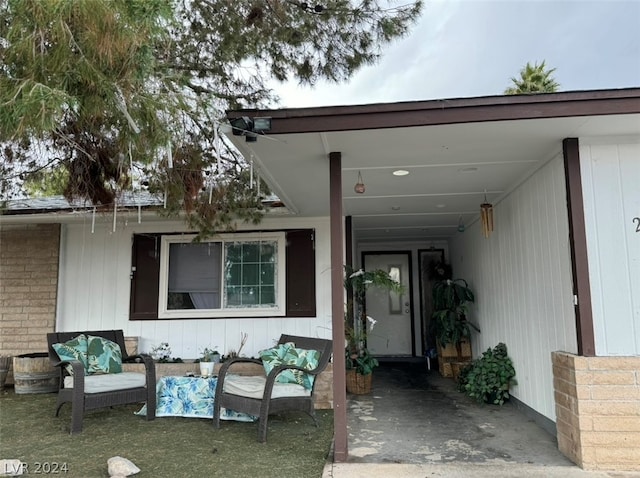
(359, 361)
(488, 378)
(450, 302)
(208, 359)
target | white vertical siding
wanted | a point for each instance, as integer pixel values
(610, 171)
(94, 289)
(521, 277)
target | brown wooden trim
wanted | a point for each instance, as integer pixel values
(145, 277)
(340, 447)
(348, 233)
(300, 273)
(578, 245)
(449, 111)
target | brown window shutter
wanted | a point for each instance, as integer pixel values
(301, 273)
(145, 276)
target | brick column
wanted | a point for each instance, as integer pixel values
(598, 410)
(28, 286)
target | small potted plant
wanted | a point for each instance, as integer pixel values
(208, 359)
(488, 378)
(161, 353)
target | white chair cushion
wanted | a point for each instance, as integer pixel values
(253, 387)
(108, 382)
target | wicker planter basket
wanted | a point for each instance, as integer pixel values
(358, 383)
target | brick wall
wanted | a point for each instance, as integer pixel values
(28, 286)
(598, 410)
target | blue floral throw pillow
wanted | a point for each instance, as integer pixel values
(103, 356)
(74, 349)
(288, 354)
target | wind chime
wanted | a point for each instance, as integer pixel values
(486, 217)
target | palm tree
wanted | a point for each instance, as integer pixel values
(533, 79)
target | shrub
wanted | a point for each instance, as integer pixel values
(489, 377)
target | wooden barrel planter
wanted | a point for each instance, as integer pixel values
(33, 373)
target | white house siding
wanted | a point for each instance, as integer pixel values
(610, 170)
(521, 277)
(94, 291)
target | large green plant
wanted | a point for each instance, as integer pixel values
(450, 302)
(489, 377)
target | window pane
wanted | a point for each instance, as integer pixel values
(251, 252)
(233, 296)
(250, 274)
(267, 253)
(267, 274)
(254, 269)
(234, 274)
(234, 252)
(268, 295)
(194, 276)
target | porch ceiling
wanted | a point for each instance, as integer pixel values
(450, 165)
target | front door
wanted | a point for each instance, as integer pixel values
(392, 334)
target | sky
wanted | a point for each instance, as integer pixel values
(466, 48)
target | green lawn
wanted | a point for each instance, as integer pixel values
(165, 447)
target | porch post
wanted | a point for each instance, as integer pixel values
(337, 308)
(578, 245)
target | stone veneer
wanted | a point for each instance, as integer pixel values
(598, 410)
(324, 381)
(28, 286)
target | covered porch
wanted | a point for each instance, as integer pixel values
(426, 167)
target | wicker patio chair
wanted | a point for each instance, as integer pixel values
(267, 404)
(77, 389)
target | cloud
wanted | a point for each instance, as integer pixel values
(472, 48)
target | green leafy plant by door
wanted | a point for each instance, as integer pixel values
(488, 378)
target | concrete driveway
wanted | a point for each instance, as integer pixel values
(415, 423)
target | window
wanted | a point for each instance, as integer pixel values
(195, 282)
(234, 275)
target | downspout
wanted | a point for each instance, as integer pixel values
(337, 309)
(578, 245)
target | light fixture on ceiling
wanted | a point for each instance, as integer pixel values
(395, 208)
(400, 172)
(471, 169)
(460, 224)
(486, 217)
(359, 187)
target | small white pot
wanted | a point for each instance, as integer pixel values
(206, 368)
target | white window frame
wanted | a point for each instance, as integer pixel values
(279, 310)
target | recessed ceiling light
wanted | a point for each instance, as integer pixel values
(471, 169)
(395, 208)
(440, 206)
(400, 172)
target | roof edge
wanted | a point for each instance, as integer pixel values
(448, 111)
